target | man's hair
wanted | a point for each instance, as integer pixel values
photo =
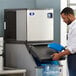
(67, 11)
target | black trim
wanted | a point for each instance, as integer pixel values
(1, 54)
(15, 42)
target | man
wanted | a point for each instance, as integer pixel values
(68, 17)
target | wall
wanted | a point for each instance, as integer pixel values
(4, 4)
(55, 4)
(63, 39)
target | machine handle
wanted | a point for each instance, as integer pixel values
(4, 25)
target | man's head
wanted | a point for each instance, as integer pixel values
(68, 15)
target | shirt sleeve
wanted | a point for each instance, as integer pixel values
(71, 43)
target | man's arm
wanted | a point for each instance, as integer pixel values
(57, 56)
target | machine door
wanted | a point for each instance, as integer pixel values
(42, 52)
(40, 25)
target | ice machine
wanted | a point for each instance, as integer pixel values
(27, 33)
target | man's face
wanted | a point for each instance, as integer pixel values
(66, 18)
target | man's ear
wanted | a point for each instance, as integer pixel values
(70, 15)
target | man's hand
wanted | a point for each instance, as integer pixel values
(56, 56)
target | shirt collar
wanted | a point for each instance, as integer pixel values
(71, 25)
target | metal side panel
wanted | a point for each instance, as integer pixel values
(18, 56)
(21, 24)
